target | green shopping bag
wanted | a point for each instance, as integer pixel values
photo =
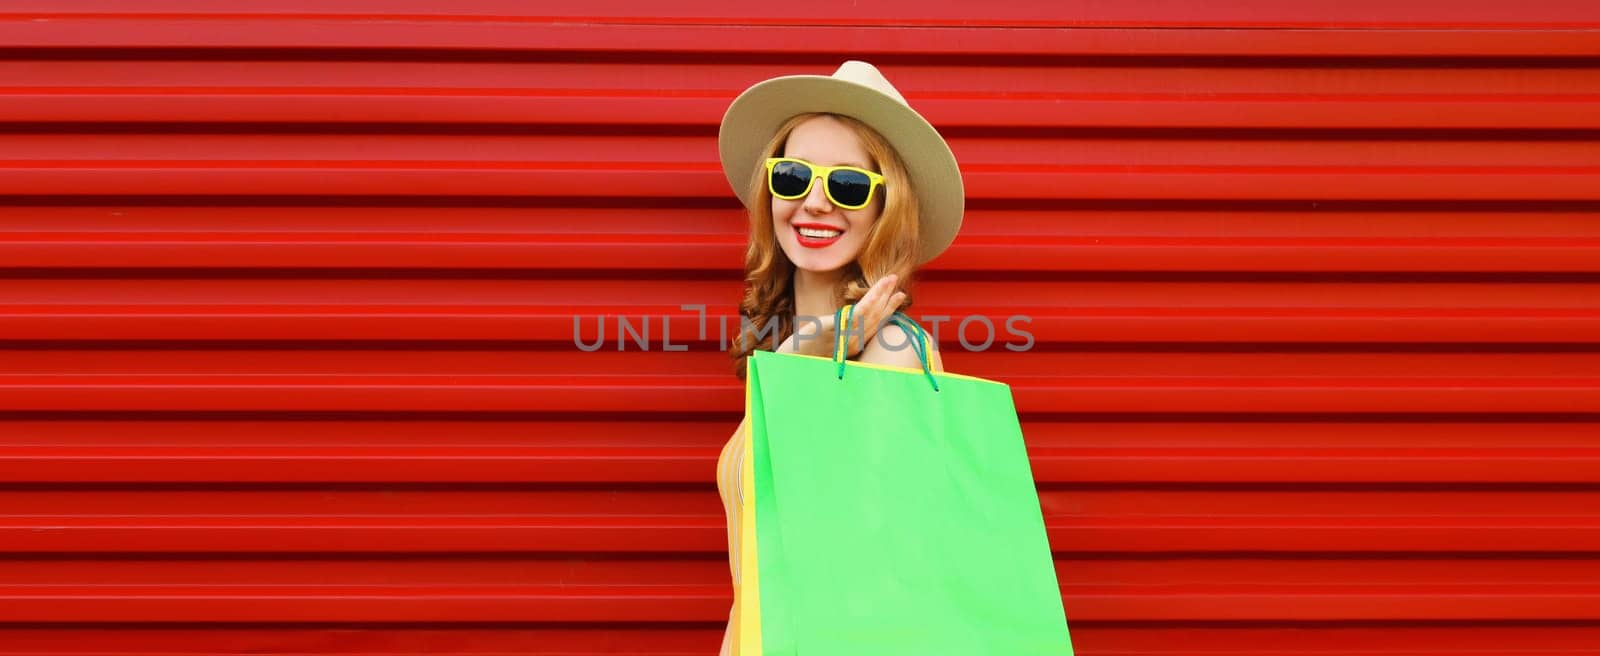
(894, 512)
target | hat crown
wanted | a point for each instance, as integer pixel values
(867, 75)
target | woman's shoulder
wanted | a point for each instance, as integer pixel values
(892, 346)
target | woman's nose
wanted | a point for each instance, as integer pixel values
(817, 200)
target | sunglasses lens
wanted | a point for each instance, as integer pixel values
(851, 188)
(790, 179)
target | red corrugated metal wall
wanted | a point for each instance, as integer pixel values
(286, 299)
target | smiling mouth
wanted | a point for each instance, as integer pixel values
(819, 233)
(814, 237)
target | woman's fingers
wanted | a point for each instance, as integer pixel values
(873, 310)
(878, 290)
(886, 303)
(880, 294)
(872, 302)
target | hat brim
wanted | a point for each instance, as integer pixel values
(755, 116)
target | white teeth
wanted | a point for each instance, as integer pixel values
(818, 233)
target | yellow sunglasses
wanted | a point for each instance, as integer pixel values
(847, 186)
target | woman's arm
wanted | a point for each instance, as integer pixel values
(727, 638)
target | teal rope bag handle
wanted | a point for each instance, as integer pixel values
(919, 339)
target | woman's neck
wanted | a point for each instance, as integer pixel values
(813, 293)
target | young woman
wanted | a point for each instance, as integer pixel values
(848, 191)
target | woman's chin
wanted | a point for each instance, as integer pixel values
(818, 264)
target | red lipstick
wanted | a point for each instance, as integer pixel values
(817, 242)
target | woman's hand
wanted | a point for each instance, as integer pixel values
(871, 312)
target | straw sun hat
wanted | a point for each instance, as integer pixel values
(859, 91)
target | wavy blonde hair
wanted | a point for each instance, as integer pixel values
(891, 246)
